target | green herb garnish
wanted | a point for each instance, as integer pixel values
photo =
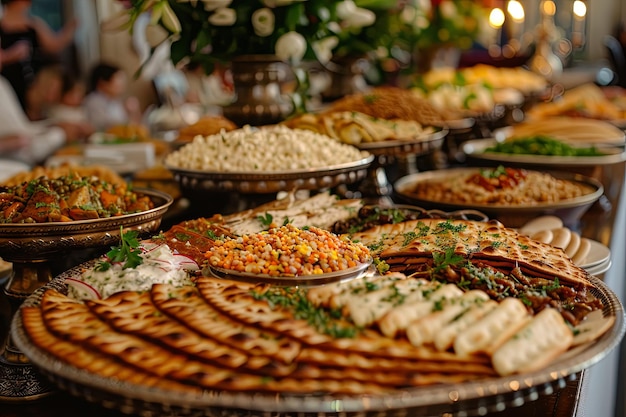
(445, 259)
(266, 220)
(128, 252)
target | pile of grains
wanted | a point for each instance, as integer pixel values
(288, 251)
(266, 149)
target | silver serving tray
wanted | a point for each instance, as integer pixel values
(477, 149)
(417, 146)
(272, 181)
(25, 241)
(462, 399)
(299, 280)
(510, 215)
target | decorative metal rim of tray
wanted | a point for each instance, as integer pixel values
(421, 145)
(272, 181)
(463, 399)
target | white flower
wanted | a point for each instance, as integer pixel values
(263, 21)
(223, 17)
(324, 48)
(290, 47)
(353, 16)
(360, 18)
(210, 5)
(448, 9)
(334, 27)
(345, 9)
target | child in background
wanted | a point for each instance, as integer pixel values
(105, 104)
(44, 92)
(70, 108)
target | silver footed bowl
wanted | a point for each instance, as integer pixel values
(31, 242)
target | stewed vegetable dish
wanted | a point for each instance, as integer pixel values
(68, 198)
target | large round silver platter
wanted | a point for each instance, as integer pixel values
(478, 149)
(402, 147)
(511, 215)
(272, 181)
(27, 242)
(462, 399)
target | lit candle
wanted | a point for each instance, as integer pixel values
(516, 11)
(578, 26)
(496, 20)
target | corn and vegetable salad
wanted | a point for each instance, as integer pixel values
(287, 251)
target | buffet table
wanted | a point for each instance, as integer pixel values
(584, 394)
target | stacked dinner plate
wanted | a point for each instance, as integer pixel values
(589, 254)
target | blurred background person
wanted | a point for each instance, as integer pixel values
(105, 104)
(69, 108)
(44, 92)
(24, 140)
(22, 37)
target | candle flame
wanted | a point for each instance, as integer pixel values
(516, 10)
(580, 9)
(549, 8)
(496, 18)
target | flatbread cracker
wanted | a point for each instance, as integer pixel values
(489, 241)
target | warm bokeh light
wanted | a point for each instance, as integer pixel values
(580, 8)
(496, 18)
(549, 8)
(516, 10)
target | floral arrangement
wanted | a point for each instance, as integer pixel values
(209, 32)
(427, 24)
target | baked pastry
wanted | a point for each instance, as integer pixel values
(390, 103)
(207, 125)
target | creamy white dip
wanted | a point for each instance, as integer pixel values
(159, 266)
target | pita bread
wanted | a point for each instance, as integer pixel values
(487, 241)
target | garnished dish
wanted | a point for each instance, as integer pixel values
(511, 195)
(288, 252)
(374, 215)
(464, 304)
(485, 256)
(68, 198)
(501, 186)
(542, 150)
(457, 100)
(543, 145)
(131, 265)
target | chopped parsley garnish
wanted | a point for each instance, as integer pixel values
(409, 237)
(295, 300)
(211, 235)
(447, 226)
(493, 173)
(184, 237)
